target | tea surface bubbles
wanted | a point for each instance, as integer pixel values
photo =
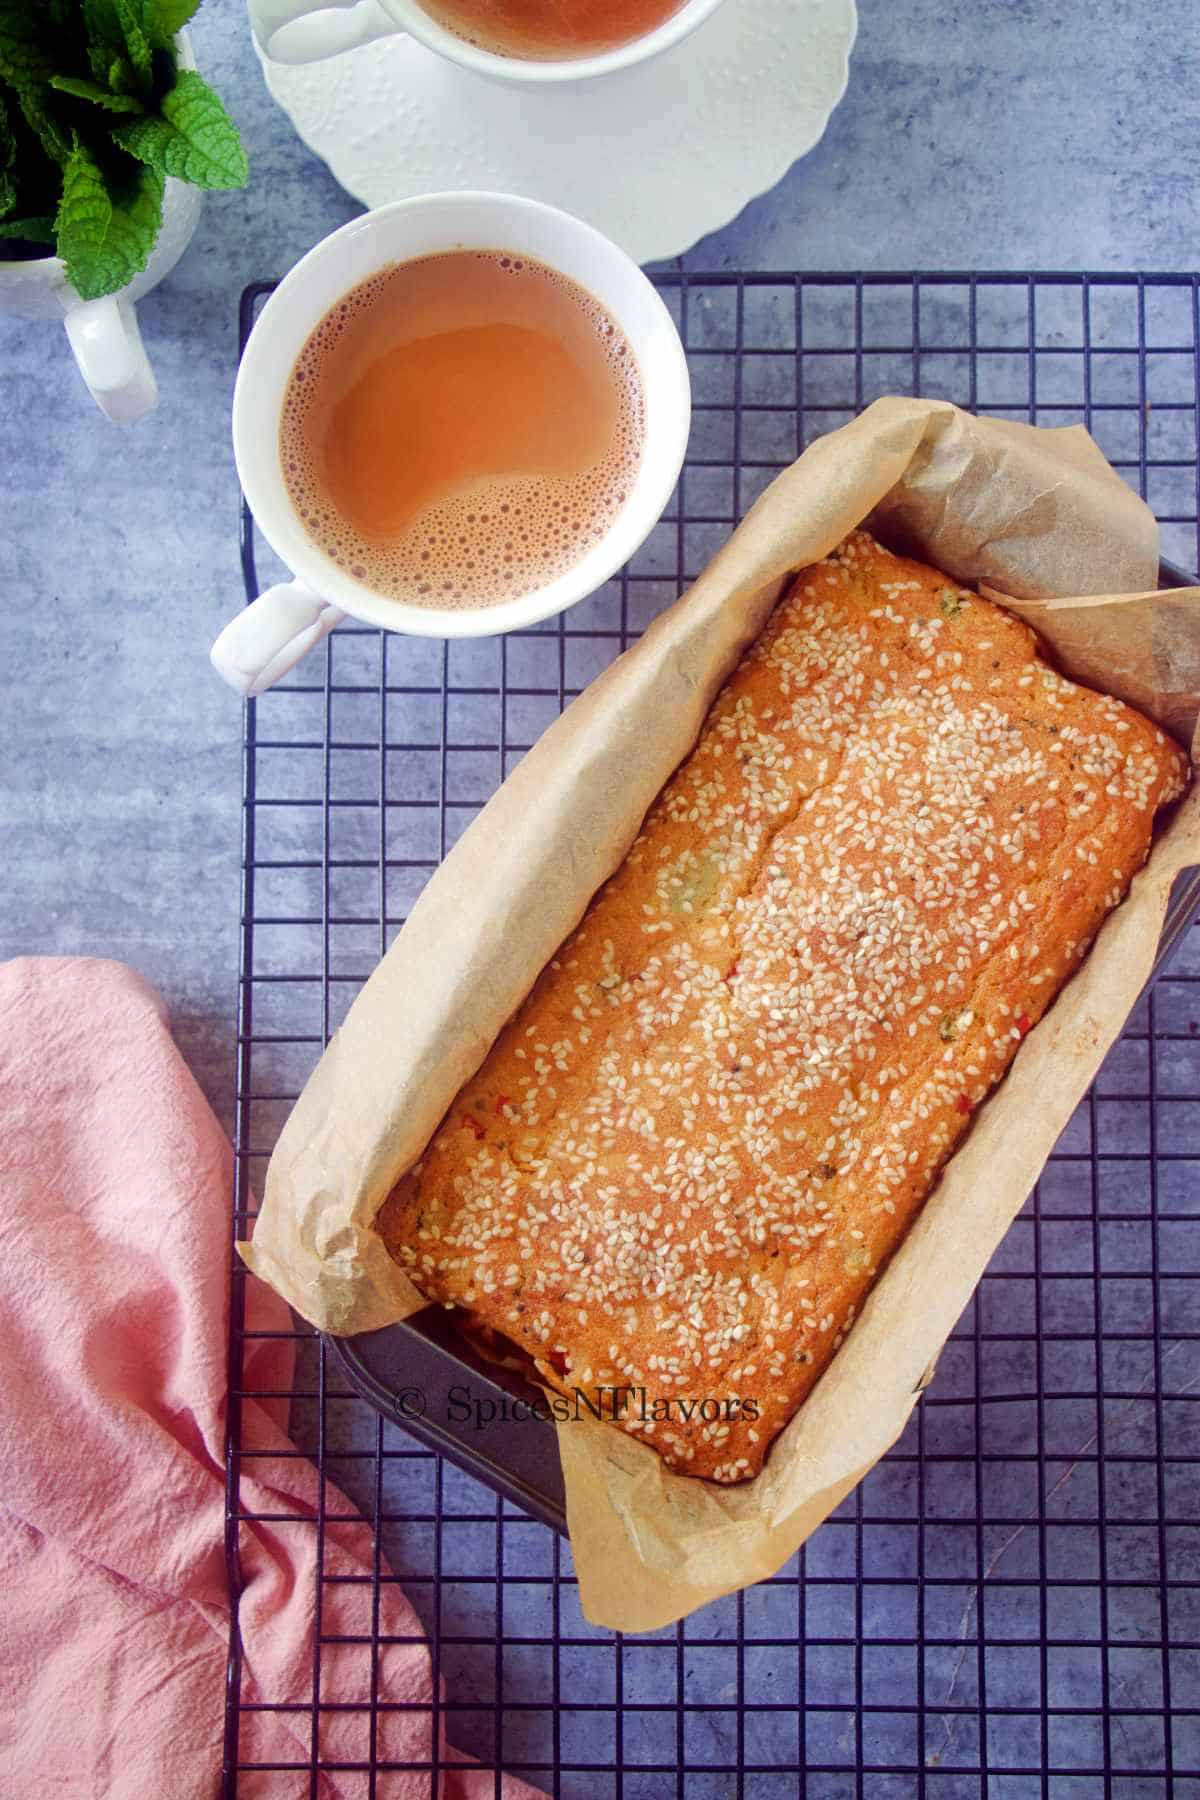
(461, 429)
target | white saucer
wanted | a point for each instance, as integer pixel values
(655, 157)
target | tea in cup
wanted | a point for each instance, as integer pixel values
(531, 42)
(458, 415)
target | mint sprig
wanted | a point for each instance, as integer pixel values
(95, 116)
(43, 119)
(137, 44)
(106, 233)
(99, 96)
(84, 215)
(194, 139)
(102, 36)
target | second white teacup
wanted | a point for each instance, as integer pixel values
(269, 637)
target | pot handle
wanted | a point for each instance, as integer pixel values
(104, 336)
(265, 640)
(304, 31)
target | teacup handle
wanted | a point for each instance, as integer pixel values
(299, 31)
(107, 345)
(261, 643)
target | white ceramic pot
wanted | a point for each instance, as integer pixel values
(103, 334)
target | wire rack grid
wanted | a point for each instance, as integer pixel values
(1009, 1605)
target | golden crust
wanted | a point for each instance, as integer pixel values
(688, 1156)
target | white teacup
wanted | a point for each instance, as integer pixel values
(304, 31)
(271, 635)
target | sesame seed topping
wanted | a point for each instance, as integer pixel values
(687, 1159)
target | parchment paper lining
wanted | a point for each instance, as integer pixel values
(1034, 518)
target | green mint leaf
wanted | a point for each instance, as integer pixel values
(53, 138)
(202, 122)
(195, 139)
(24, 58)
(163, 19)
(91, 90)
(136, 42)
(152, 141)
(30, 231)
(136, 220)
(106, 40)
(119, 77)
(106, 239)
(84, 216)
(116, 39)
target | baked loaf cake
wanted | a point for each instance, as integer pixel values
(688, 1156)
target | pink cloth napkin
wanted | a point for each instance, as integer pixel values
(114, 1251)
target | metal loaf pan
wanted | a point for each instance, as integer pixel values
(410, 1372)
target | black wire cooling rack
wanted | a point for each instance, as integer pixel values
(1009, 1605)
